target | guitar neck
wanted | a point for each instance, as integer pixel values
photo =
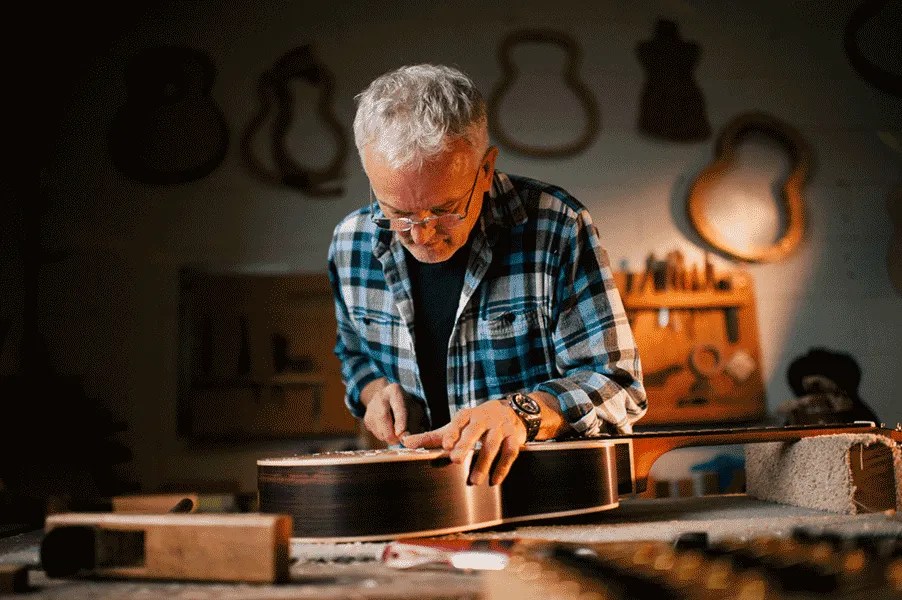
(648, 446)
(740, 435)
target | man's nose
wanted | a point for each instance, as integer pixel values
(421, 233)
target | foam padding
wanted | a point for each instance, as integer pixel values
(845, 473)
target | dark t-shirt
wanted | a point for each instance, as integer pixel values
(436, 291)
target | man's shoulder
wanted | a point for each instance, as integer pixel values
(356, 227)
(537, 194)
(352, 235)
(357, 221)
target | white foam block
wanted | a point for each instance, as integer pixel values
(844, 473)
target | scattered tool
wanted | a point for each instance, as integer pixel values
(476, 555)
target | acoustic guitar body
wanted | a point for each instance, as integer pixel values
(372, 495)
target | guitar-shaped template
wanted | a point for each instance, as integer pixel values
(571, 79)
(170, 130)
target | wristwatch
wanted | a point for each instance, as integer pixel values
(529, 412)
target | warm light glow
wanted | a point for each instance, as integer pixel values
(746, 219)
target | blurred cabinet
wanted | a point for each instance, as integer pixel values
(256, 357)
(697, 335)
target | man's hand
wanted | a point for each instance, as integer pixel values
(391, 412)
(494, 423)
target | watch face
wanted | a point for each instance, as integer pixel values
(526, 404)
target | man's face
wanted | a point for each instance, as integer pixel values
(441, 186)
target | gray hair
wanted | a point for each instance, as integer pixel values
(410, 114)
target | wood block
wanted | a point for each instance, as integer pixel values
(685, 488)
(163, 503)
(13, 578)
(871, 468)
(710, 483)
(843, 473)
(194, 547)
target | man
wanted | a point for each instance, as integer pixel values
(477, 305)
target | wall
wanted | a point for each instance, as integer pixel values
(110, 309)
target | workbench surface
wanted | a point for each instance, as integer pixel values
(333, 571)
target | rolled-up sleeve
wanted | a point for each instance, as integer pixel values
(600, 388)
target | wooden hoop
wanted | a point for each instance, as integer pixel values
(276, 96)
(571, 78)
(791, 197)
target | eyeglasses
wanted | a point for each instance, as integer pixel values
(406, 223)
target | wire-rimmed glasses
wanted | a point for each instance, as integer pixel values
(406, 223)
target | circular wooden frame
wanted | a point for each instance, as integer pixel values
(571, 78)
(791, 196)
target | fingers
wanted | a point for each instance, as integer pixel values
(443, 437)
(494, 424)
(428, 439)
(468, 438)
(491, 443)
(399, 411)
(386, 414)
(501, 433)
(510, 449)
(452, 435)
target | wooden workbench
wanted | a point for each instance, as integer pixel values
(333, 571)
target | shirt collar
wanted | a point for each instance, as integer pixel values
(505, 206)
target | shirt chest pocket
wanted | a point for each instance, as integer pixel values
(380, 330)
(516, 346)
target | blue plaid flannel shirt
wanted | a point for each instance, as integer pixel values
(538, 311)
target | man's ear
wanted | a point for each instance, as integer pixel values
(489, 164)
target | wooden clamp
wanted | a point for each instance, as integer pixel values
(199, 547)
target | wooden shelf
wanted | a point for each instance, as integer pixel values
(686, 299)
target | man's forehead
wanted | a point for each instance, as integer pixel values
(456, 158)
(434, 184)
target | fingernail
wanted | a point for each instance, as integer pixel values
(476, 478)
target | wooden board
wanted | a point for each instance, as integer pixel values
(194, 547)
(256, 357)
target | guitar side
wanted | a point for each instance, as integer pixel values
(385, 494)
